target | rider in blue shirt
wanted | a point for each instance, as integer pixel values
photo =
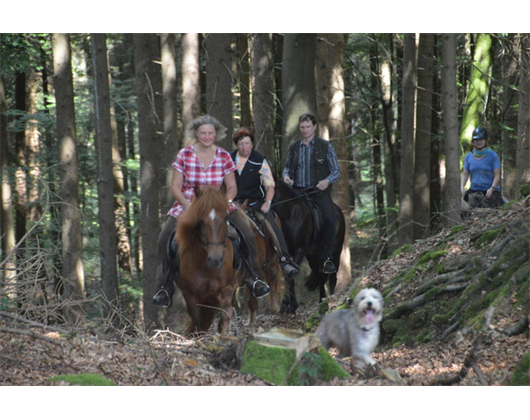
(483, 166)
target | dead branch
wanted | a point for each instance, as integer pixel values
(31, 334)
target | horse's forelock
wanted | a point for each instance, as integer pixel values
(201, 208)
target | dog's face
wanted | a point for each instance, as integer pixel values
(369, 305)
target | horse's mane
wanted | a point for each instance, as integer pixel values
(207, 198)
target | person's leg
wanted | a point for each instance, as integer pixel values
(165, 286)
(290, 269)
(254, 277)
(325, 204)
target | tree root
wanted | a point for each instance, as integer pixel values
(469, 362)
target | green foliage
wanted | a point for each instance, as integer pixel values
(521, 374)
(84, 379)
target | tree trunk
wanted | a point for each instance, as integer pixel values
(20, 153)
(452, 195)
(149, 147)
(422, 158)
(523, 125)
(263, 96)
(478, 90)
(219, 82)
(337, 135)
(6, 210)
(385, 81)
(510, 71)
(72, 273)
(298, 84)
(105, 178)
(191, 83)
(243, 71)
(408, 129)
(169, 92)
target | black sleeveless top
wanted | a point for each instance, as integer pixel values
(249, 183)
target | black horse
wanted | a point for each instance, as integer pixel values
(302, 230)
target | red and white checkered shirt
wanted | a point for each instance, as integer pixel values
(195, 174)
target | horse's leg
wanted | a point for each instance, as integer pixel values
(227, 309)
(194, 312)
(290, 304)
(252, 307)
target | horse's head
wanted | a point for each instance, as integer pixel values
(210, 208)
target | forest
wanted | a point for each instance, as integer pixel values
(90, 123)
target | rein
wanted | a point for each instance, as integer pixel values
(299, 194)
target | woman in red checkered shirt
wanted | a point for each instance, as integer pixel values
(205, 163)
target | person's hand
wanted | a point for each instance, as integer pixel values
(489, 192)
(265, 207)
(288, 181)
(322, 185)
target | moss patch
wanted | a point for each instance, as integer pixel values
(273, 364)
(84, 379)
(521, 373)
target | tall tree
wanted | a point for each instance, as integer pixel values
(523, 125)
(509, 71)
(243, 73)
(422, 157)
(107, 226)
(7, 226)
(149, 163)
(20, 153)
(169, 97)
(263, 95)
(219, 82)
(298, 84)
(408, 128)
(477, 95)
(191, 84)
(72, 272)
(391, 179)
(337, 135)
(452, 196)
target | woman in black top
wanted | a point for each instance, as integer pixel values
(255, 183)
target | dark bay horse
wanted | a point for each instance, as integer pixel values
(302, 234)
(207, 277)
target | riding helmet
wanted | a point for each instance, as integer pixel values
(479, 133)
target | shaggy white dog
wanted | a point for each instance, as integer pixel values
(355, 332)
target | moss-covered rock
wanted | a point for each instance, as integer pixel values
(274, 363)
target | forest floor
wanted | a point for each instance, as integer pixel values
(31, 353)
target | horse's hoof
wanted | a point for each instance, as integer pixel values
(260, 289)
(162, 298)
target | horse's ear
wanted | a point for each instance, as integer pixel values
(244, 205)
(223, 187)
(198, 191)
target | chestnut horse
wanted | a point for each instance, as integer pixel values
(207, 276)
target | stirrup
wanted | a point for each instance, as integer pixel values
(157, 300)
(258, 282)
(329, 267)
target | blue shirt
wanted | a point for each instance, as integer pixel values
(481, 170)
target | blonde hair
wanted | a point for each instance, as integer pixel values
(205, 120)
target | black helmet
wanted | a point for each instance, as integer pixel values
(479, 133)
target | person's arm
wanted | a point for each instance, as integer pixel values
(285, 173)
(463, 180)
(495, 183)
(176, 188)
(231, 186)
(267, 181)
